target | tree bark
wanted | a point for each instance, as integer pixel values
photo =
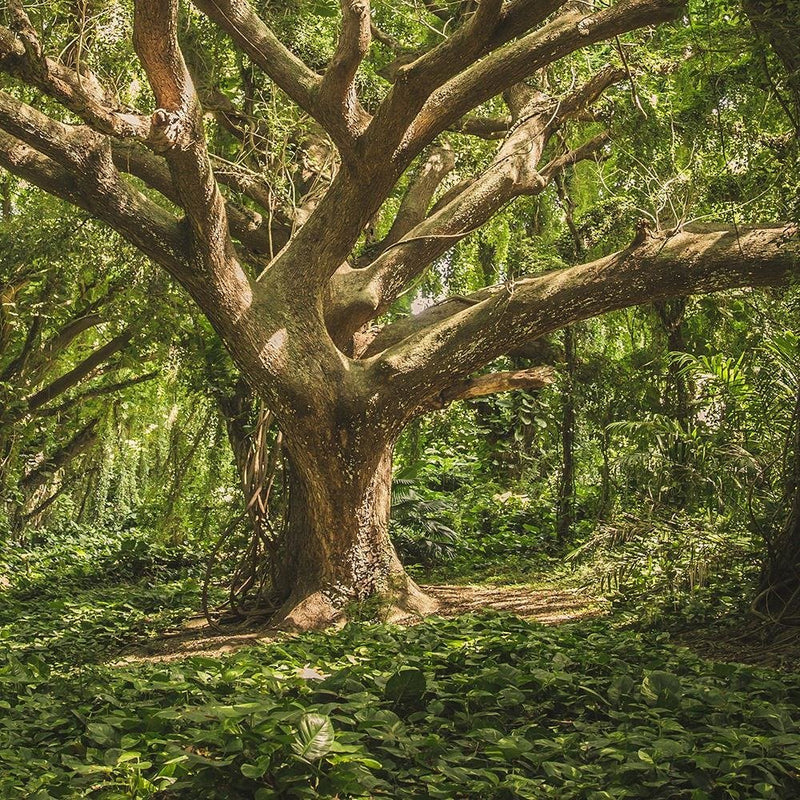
(338, 554)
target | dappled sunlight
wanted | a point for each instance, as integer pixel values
(551, 607)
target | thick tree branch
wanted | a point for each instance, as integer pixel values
(146, 225)
(339, 109)
(390, 127)
(483, 127)
(177, 130)
(259, 234)
(83, 94)
(417, 199)
(351, 299)
(701, 259)
(325, 241)
(513, 62)
(75, 163)
(415, 82)
(513, 172)
(70, 145)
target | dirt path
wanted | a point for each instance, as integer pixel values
(549, 606)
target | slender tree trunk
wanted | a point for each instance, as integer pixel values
(672, 314)
(605, 475)
(566, 488)
(676, 400)
(779, 592)
(337, 553)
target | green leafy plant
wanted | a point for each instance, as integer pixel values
(485, 706)
(419, 530)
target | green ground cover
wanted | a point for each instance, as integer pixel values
(483, 706)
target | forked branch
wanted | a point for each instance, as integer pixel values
(340, 111)
(513, 62)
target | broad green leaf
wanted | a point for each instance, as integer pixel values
(406, 685)
(314, 737)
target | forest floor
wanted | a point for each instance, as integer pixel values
(550, 606)
(515, 703)
(762, 645)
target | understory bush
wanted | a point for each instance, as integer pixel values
(75, 556)
(80, 594)
(682, 567)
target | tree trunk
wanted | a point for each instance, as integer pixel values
(677, 397)
(778, 598)
(566, 489)
(337, 561)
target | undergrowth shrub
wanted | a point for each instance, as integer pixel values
(79, 594)
(692, 567)
(81, 556)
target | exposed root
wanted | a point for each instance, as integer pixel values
(313, 611)
(410, 602)
(316, 610)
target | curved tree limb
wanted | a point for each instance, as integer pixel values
(252, 35)
(513, 172)
(146, 225)
(701, 259)
(83, 94)
(339, 108)
(511, 63)
(177, 131)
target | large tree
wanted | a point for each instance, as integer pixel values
(293, 292)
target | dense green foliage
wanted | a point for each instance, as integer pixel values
(482, 706)
(659, 468)
(79, 596)
(486, 707)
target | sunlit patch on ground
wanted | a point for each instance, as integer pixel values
(548, 606)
